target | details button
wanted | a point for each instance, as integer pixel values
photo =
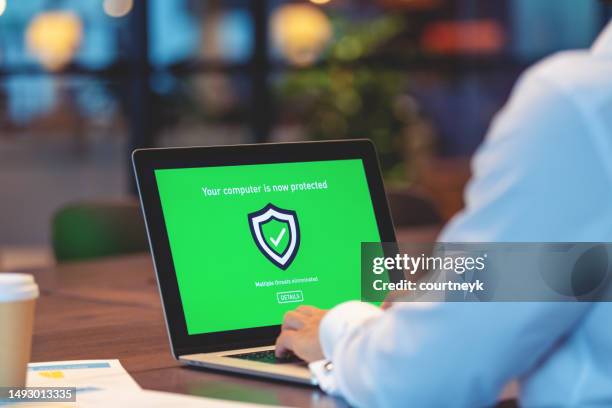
(293, 296)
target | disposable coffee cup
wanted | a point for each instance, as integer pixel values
(18, 294)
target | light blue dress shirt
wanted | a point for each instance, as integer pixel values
(544, 174)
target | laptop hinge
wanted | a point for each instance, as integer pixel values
(224, 346)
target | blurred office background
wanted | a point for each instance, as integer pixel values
(83, 82)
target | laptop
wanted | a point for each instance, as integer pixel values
(240, 235)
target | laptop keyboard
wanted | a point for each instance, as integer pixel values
(268, 357)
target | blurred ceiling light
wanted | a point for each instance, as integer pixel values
(320, 1)
(301, 32)
(2, 6)
(54, 37)
(117, 8)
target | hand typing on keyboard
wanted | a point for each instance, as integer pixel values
(300, 334)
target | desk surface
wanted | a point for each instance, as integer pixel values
(110, 308)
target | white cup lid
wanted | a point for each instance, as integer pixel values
(17, 286)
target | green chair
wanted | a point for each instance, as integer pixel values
(88, 230)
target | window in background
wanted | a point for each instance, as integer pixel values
(64, 134)
(84, 82)
(201, 109)
(200, 56)
(63, 140)
(75, 97)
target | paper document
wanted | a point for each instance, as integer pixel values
(86, 375)
(105, 383)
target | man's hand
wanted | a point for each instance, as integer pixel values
(300, 334)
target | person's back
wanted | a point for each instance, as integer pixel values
(579, 372)
(544, 174)
(565, 104)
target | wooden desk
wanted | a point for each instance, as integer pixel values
(111, 309)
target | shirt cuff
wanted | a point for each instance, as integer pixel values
(323, 373)
(342, 320)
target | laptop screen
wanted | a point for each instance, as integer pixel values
(251, 242)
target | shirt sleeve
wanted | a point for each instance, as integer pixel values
(528, 185)
(341, 320)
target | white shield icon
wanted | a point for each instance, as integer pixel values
(270, 212)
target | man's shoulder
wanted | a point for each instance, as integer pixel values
(551, 96)
(577, 74)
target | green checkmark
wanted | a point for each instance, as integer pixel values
(280, 236)
(276, 235)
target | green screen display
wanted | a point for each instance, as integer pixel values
(251, 242)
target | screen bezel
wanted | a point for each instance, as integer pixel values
(146, 161)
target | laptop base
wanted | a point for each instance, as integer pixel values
(295, 372)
